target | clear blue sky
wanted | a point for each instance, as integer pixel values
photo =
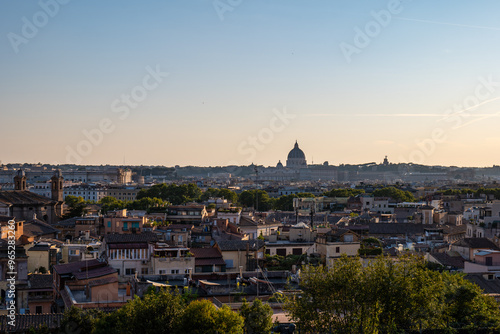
(227, 79)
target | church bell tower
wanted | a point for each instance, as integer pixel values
(57, 186)
(20, 180)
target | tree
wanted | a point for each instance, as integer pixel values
(146, 203)
(258, 199)
(230, 195)
(77, 206)
(76, 320)
(258, 317)
(389, 296)
(109, 203)
(175, 194)
(156, 312)
(201, 317)
(344, 192)
(394, 193)
(285, 202)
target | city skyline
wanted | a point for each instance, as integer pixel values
(217, 83)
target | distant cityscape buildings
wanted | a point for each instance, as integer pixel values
(211, 243)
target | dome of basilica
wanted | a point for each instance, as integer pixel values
(296, 153)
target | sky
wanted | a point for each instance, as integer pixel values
(234, 82)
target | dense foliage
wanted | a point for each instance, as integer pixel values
(389, 296)
(394, 193)
(285, 202)
(257, 199)
(258, 317)
(77, 206)
(159, 312)
(343, 192)
(230, 195)
(175, 194)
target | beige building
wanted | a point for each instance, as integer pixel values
(335, 243)
(168, 260)
(43, 255)
(247, 254)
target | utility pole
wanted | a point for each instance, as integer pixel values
(312, 215)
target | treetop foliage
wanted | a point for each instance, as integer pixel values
(389, 296)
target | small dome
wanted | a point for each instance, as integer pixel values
(279, 164)
(296, 153)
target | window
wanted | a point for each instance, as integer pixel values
(129, 271)
(174, 271)
(337, 249)
(348, 238)
(229, 263)
(74, 252)
(489, 261)
(38, 310)
(125, 226)
(144, 271)
(109, 224)
(297, 251)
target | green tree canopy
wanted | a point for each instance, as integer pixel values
(77, 206)
(156, 313)
(389, 296)
(394, 193)
(258, 317)
(285, 202)
(175, 194)
(343, 192)
(201, 317)
(257, 199)
(230, 195)
(110, 203)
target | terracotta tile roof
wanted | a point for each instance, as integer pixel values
(26, 321)
(84, 269)
(39, 281)
(477, 243)
(103, 281)
(92, 273)
(130, 238)
(205, 253)
(209, 262)
(70, 222)
(488, 286)
(35, 228)
(234, 245)
(449, 261)
(23, 197)
(397, 228)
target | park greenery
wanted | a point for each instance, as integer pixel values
(390, 296)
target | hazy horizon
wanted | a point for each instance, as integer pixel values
(219, 82)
